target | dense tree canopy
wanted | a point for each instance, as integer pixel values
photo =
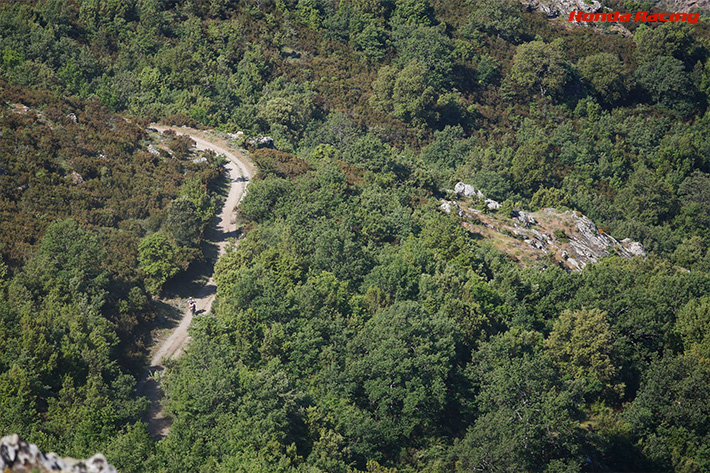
(356, 327)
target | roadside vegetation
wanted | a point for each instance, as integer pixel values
(357, 327)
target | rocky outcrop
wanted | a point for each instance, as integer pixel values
(18, 456)
(76, 178)
(261, 142)
(588, 244)
(562, 8)
(523, 217)
(467, 190)
(570, 238)
(492, 204)
(153, 150)
(684, 5)
(448, 205)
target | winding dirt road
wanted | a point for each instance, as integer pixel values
(240, 170)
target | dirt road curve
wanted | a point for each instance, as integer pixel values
(240, 171)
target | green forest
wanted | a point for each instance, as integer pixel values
(357, 327)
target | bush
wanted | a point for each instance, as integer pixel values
(156, 258)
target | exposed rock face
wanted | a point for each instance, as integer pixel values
(525, 218)
(577, 241)
(589, 244)
(684, 5)
(261, 142)
(570, 238)
(467, 190)
(562, 8)
(633, 247)
(492, 204)
(447, 206)
(18, 456)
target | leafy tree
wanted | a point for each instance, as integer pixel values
(647, 199)
(400, 363)
(667, 83)
(487, 70)
(498, 17)
(695, 192)
(669, 39)
(412, 98)
(528, 415)
(605, 73)
(449, 148)
(670, 414)
(412, 12)
(532, 165)
(195, 192)
(492, 184)
(370, 153)
(262, 198)
(183, 222)
(66, 263)
(550, 197)
(309, 13)
(372, 40)
(156, 257)
(538, 67)
(693, 325)
(131, 449)
(383, 89)
(430, 48)
(581, 344)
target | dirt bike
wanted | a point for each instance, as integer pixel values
(193, 308)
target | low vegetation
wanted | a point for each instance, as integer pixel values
(357, 327)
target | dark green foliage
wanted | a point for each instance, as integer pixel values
(498, 17)
(356, 326)
(670, 413)
(550, 197)
(183, 222)
(428, 46)
(647, 199)
(604, 72)
(156, 257)
(667, 83)
(528, 414)
(538, 69)
(398, 366)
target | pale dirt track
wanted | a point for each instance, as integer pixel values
(240, 171)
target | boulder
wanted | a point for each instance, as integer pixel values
(18, 456)
(523, 217)
(467, 190)
(261, 142)
(448, 205)
(633, 247)
(492, 204)
(562, 8)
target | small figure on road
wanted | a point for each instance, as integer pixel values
(192, 304)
